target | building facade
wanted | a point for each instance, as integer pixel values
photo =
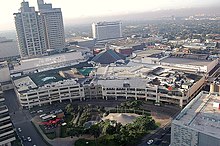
(39, 32)
(139, 89)
(29, 34)
(53, 29)
(106, 30)
(4, 72)
(6, 127)
(198, 123)
(31, 95)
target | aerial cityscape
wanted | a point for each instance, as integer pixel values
(110, 73)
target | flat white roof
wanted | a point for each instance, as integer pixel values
(25, 83)
(134, 83)
(123, 71)
(200, 115)
(187, 61)
(48, 60)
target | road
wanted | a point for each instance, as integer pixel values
(22, 119)
(161, 137)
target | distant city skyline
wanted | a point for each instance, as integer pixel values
(84, 8)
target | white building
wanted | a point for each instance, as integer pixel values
(198, 124)
(106, 30)
(196, 65)
(39, 32)
(30, 94)
(52, 22)
(6, 127)
(44, 63)
(4, 72)
(30, 38)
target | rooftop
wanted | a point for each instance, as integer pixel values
(24, 84)
(201, 114)
(177, 60)
(134, 83)
(48, 61)
(108, 56)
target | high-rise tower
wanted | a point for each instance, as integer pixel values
(106, 30)
(30, 38)
(53, 28)
(39, 31)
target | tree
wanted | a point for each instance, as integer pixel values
(69, 109)
(95, 131)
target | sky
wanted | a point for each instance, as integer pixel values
(77, 9)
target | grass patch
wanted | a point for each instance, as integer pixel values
(158, 124)
(51, 135)
(63, 131)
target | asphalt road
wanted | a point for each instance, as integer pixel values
(21, 119)
(162, 136)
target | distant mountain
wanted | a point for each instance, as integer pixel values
(148, 15)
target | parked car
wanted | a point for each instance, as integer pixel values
(19, 130)
(150, 141)
(40, 111)
(42, 115)
(29, 138)
(23, 138)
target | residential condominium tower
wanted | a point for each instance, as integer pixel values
(39, 32)
(53, 28)
(106, 30)
(29, 34)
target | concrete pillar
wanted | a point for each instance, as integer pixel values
(212, 88)
(181, 103)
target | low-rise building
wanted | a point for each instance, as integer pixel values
(36, 91)
(198, 123)
(155, 83)
(188, 64)
(48, 62)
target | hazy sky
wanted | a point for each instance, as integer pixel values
(84, 8)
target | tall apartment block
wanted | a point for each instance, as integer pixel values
(106, 30)
(53, 29)
(29, 34)
(6, 128)
(198, 124)
(39, 31)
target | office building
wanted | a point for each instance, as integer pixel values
(39, 32)
(106, 30)
(6, 127)
(53, 29)
(29, 34)
(198, 124)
